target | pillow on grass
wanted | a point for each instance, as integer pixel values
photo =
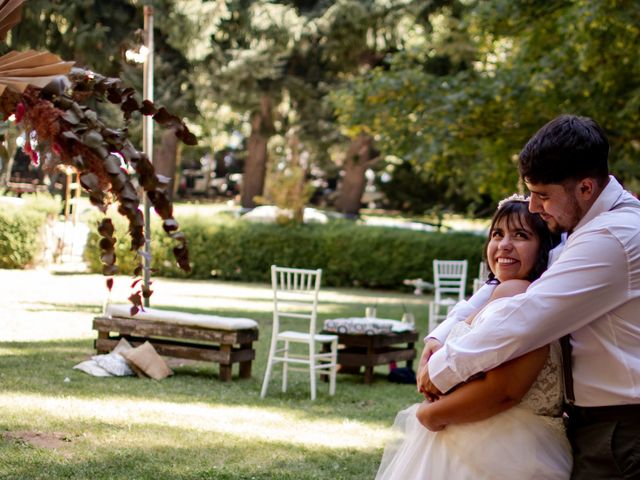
(114, 362)
(145, 362)
(92, 368)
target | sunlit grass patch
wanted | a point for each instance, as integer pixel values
(190, 425)
(248, 422)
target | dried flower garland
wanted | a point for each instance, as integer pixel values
(57, 122)
(47, 98)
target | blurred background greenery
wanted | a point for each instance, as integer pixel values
(414, 106)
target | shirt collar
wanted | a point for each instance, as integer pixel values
(610, 196)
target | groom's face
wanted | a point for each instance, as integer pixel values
(557, 204)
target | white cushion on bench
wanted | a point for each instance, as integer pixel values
(213, 322)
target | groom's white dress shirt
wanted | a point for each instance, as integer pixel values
(592, 291)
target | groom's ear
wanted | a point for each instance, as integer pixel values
(587, 189)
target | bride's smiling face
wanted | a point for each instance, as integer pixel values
(513, 248)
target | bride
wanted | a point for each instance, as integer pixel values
(508, 423)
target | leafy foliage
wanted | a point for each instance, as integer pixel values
(573, 57)
(89, 32)
(450, 90)
(295, 53)
(521, 64)
(21, 228)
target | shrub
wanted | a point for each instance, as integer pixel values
(42, 203)
(349, 254)
(21, 230)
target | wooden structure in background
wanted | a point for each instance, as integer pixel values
(224, 347)
(356, 351)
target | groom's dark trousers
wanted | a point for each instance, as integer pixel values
(605, 442)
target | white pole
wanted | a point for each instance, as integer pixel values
(147, 137)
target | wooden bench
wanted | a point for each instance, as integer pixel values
(211, 338)
(25, 187)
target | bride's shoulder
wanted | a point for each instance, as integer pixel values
(510, 288)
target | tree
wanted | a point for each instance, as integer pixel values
(285, 58)
(575, 57)
(256, 162)
(248, 43)
(412, 102)
(526, 62)
(359, 157)
(366, 37)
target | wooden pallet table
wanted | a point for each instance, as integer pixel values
(361, 350)
(191, 339)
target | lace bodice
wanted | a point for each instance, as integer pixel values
(545, 396)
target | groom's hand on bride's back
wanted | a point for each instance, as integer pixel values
(423, 381)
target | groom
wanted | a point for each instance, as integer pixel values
(592, 292)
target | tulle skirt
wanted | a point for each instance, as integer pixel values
(513, 445)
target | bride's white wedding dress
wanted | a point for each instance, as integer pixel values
(525, 442)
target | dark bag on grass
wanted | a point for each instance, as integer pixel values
(402, 375)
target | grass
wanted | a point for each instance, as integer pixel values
(189, 426)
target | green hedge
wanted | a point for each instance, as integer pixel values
(21, 228)
(349, 254)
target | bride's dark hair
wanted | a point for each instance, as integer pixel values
(516, 211)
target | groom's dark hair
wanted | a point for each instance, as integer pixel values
(569, 147)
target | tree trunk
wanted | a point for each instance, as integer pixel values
(166, 158)
(298, 199)
(10, 157)
(357, 161)
(256, 163)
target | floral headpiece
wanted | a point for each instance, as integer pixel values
(516, 197)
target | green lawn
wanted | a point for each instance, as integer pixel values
(56, 422)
